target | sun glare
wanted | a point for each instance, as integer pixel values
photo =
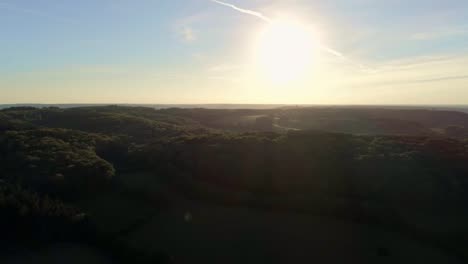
(285, 51)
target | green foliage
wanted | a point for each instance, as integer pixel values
(355, 163)
(9, 123)
(138, 124)
(55, 160)
(456, 132)
(28, 217)
(177, 143)
(395, 169)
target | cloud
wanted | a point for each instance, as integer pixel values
(187, 34)
(440, 79)
(225, 67)
(186, 27)
(226, 78)
(229, 72)
(435, 70)
(437, 34)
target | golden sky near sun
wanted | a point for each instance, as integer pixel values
(285, 52)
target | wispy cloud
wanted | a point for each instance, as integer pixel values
(229, 72)
(419, 70)
(437, 34)
(412, 64)
(225, 67)
(430, 80)
(186, 28)
(187, 34)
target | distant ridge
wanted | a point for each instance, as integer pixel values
(460, 108)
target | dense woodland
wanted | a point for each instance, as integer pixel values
(373, 166)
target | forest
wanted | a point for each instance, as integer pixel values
(112, 177)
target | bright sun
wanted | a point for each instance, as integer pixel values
(285, 51)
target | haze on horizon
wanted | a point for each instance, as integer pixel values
(234, 52)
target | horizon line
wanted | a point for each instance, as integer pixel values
(265, 104)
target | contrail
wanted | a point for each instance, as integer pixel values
(333, 52)
(343, 57)
(245, 11)
(269, 20)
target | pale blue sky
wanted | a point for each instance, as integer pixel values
(198, 51)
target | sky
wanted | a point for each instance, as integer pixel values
(203, 51)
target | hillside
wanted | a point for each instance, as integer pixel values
(136, 173)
